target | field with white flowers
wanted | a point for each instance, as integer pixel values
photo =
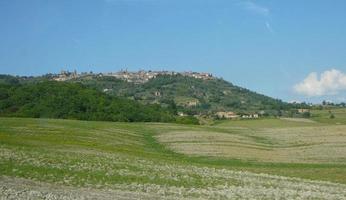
(259, 159)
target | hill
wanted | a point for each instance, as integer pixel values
(189, 94)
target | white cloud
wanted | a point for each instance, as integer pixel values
(259, 10)
(269, 27)
(330, 82)
(255, 8)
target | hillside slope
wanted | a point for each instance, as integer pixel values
(190, 94)
(178, 92)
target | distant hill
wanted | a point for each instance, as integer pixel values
(181, 93)
(190, 95)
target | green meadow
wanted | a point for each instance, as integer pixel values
(245, 159)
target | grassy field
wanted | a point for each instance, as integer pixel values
(255, 159)
(276, 140)
(324, 116)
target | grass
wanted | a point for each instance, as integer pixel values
(290, 148)
(325, 144)
(324, 116)
(139, 157)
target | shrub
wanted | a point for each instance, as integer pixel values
(187, 120)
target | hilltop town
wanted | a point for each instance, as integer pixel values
(140, 76)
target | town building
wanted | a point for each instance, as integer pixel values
(138, 77)
(227, 115)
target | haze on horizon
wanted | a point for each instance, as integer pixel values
(291, 50)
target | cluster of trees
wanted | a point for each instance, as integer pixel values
(50, 99)
(326, 103)
(187, 120)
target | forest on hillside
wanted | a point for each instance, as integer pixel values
(50, 99)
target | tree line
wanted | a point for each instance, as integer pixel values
(51, 99)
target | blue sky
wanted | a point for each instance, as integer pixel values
(268, 46)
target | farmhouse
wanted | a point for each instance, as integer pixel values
(227, 115)
(303, 110)
(250, 116)
(181, 114)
